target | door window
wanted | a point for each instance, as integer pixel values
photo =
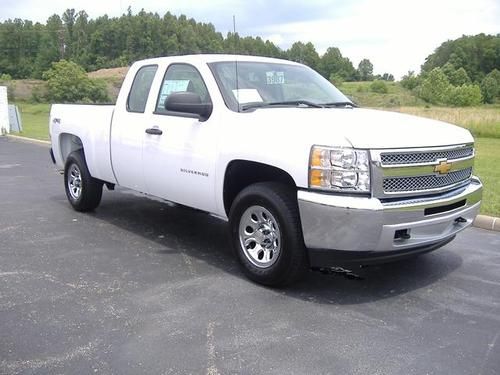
(181, 78)
(139, 92)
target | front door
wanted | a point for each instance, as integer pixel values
(179, 160)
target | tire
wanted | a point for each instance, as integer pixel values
(267, 235)
(83, 191)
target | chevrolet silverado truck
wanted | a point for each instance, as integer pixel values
(304, 177)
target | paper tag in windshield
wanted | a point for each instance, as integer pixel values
(275, 78)
(177, 85)
(170, 86)
(247, 96)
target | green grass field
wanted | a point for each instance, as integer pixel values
(396, 96)
(35, 120)
(487, 167)
(484, 122)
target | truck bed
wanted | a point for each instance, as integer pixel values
(88, 124)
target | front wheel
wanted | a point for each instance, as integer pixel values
(83, 191)
(267, 235)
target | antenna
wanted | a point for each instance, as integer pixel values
(236, 62)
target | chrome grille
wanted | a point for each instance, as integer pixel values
(425, 157)
(426, 182)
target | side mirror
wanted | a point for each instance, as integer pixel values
(188, 102)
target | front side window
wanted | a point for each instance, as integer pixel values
(139, 91)
(181, 78)
(258, 84)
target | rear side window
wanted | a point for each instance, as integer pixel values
(138, 96)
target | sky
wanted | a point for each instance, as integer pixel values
(395, 35)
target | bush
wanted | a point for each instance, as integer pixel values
(410, 80)
(464, 95)
(37, 95)
(361, 88)
(336, 79)
(435, 88)
(67, 82)
(5, 77)
(379, 87)
(490, 86)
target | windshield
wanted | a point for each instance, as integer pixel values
(262, 84)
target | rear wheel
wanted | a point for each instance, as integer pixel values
(267, 235)
(83, 191)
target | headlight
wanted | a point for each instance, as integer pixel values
(339, 169)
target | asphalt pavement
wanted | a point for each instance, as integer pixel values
(141, 286)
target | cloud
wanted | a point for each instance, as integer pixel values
(395, 35)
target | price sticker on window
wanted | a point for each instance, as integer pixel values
(275, 78)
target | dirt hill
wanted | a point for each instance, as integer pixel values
(110, 73)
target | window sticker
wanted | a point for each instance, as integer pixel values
(275, 78)
(247, 96)
(170, 86)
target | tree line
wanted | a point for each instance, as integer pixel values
(464, 71)
(28, 49)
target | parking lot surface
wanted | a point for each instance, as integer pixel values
(141, 286)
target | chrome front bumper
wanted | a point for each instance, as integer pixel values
(358, 224)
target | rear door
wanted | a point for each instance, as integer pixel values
(128, 130)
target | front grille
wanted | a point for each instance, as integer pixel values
(426, 182)
(425, 157)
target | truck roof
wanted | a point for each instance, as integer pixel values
(210, 58)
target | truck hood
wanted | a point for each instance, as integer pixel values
(361, 128)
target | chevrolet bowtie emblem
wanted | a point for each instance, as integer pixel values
(443, 167)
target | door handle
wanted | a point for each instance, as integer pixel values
(154, 131)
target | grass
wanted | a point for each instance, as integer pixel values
(484, 122)
(487, 168)
(396, 96)
(35, 120)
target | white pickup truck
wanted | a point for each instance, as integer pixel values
(304, 177)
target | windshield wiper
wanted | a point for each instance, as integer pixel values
(293, 103)
(339, 104)
(298, 102)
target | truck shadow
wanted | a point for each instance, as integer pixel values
(178, 229)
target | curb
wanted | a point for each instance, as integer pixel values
(487, 222)
(26, 139)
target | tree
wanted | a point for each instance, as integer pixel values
(435, 87)
(365, 70)
(457, 77)
(304, 54)
(410, 80)
(68, 82)
(50, 48)
(477, 54)
(490, 86)
(332, 62)
(68, 18)
(387, 77)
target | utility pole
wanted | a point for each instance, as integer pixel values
(62, 46)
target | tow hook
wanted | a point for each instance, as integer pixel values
(348, 274)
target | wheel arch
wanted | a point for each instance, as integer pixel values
(68, 143)
(241, 173)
